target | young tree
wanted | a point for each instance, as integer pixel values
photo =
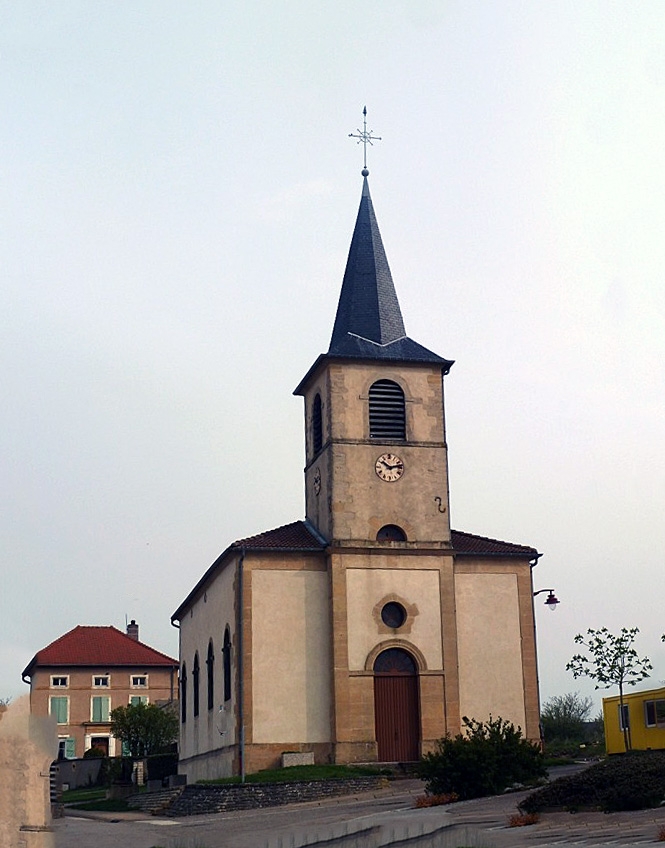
(564, 717)
(611, 660)
(144, 728)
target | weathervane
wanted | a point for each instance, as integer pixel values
(365, 138)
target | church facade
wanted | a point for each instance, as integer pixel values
(368, 630)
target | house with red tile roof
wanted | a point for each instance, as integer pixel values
(82, 676)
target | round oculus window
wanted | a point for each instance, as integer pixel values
(393, 615)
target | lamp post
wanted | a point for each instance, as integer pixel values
(551, 600)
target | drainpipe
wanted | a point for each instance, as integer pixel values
(241, 676)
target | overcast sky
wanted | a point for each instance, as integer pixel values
(178, 196)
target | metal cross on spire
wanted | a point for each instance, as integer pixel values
(364, 137)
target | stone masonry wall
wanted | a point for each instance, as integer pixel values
(200, 798)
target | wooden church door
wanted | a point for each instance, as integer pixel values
(396, 713)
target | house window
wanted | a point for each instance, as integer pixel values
(66, 748)
(195, 684)
(101, 681)
(183, 694)
(387, 411)
(654, 713)
(139, 681)
(137, 699)
(59, 707)
(59, 682)
(210, 667)
(317, 424)
(227, 664)
(624, 717)
(100, 708)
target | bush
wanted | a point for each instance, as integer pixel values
(486, 760)
(94, 753)
(633, 781)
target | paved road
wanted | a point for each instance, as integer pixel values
(482, 823)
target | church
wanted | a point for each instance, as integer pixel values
(368, 630)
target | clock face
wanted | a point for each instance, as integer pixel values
(317, 480)
(389, 467)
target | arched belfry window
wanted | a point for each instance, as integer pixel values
(226, 651)
(387, 411)
(317, 424)
(210, 665)
(391, 533)
(195, 684)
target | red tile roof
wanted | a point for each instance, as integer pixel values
(467, 543)
(298, 536)
(301, 536)
(98, 646)
(295, 536)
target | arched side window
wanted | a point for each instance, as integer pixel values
(391, 533)
(226, 651)
(183, 694)
(387, 411)
(210, 667)
(195, 683)
(317, 424)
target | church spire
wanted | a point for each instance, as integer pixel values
(368, 308)
(369, 323)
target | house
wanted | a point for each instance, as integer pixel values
(643, 717)
(89, 671)
(368, 630)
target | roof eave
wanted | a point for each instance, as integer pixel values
(445, 365)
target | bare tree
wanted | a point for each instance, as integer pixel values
(611, 660)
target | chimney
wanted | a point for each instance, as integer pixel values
(133, 630)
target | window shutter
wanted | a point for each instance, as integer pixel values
(59, 709)
(70, 748)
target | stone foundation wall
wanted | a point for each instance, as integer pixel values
(199, 798)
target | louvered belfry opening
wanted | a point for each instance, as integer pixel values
(387, 412)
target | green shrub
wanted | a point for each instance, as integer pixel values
(490, 757)
(94, 753)
(633, 781)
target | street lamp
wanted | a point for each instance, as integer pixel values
(551, 600)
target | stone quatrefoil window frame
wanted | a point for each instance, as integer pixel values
(390, 603)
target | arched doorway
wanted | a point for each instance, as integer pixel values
(396, 708)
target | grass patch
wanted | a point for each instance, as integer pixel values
(634, 781)
(293, 773)
(91, 794)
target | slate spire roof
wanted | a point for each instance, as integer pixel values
(369, 323)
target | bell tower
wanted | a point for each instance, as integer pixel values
(376, 456)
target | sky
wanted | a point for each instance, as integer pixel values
(178, 195)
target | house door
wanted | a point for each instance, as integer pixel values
(396, 712)
(100, 742)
